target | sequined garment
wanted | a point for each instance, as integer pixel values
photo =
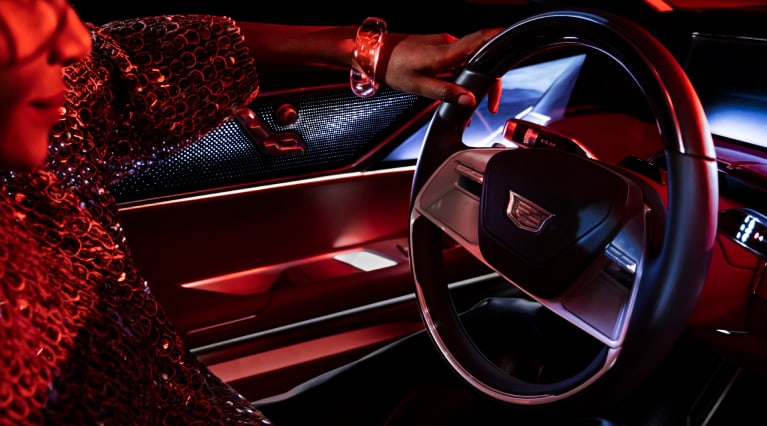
(82, 339)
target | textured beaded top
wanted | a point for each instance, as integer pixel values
(82, 338)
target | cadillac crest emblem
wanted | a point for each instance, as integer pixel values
(525, 214)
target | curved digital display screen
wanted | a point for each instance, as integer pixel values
(730, 76)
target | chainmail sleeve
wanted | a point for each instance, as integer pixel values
(83, 340)
(167, 81)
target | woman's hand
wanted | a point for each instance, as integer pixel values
(419, 64)
(415, 63)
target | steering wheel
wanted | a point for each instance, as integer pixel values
(578, 238)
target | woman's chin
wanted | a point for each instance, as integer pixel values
(18, 157)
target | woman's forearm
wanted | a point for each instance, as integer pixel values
(300, 45)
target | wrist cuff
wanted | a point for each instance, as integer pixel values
(367, 46)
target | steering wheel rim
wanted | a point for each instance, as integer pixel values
(666, 286)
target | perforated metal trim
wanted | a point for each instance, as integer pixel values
(337, 126)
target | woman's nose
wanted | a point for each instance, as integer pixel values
(73, 43)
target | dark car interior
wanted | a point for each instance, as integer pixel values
(317, 227)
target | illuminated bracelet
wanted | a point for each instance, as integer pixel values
(367, 47)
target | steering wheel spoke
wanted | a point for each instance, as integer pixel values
(598, 301)
(451, 198)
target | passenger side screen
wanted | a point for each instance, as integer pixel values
(730, 76)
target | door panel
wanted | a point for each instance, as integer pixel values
(239, 241)
(256, 245)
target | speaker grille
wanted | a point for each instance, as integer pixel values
(337, 126)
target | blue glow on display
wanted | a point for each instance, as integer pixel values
(740, 122)
(522, 88)
(729, 74)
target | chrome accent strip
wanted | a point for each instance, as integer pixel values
(336, 315)
(221, 324)
(621, 258)
(336, 177)
(470, 173)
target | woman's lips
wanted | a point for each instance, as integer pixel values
(48, 110)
